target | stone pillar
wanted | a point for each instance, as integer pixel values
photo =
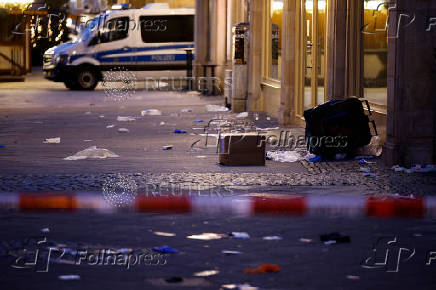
(254, 102)
(411, 107)
(336, 49)
(344, 53)
(201, 36)
(287, 92)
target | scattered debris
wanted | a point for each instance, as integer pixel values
(167, 147)
(87, 140)
(365, 169)
(368, 174)
(198, 121)
(206, 273)
(45, 230)
(101, 116)
(268, 118)
(151, 112)
(88, 113)
(231, 253)
(206, 236)
(317, 158)
(110, 126)
(263, 268)
(125, 119)
(181, 282)
(69, 277)
(334, 238)
(353, 277)
(242, 115)
(166, 250)
(239, 235)
(55, 140)
(304, 240)
(216, 108)
(162, 123)
(123, 130)
(179, 131)
(374, 148)
(364, 162)
(244, 286)
(284, 156)
(164, 234)
(364, 157)
(186, 110)
(124, 251)
(92, 152)
(272, 238)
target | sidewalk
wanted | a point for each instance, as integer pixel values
(28, 117)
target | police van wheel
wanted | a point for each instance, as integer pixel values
(70, 84)
(86, 79)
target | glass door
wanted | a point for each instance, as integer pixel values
(312, 39)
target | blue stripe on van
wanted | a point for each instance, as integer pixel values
(100, 55)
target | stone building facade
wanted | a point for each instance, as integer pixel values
(305, 52)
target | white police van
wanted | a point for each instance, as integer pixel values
(154, 38)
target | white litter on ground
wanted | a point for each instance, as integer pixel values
(164, 234)
(151, 112)
(240, 235)
(123, 130)
(45, 230)
(272, 238)
(110, 126)
(216, 108)
(206, 236)
(92, 152)
(206, 273)
(162, 123)
(187, 110)
(69, 277)
(125, 119)
(55, 140)
(242, 115)
(230, 253)
(285, 156)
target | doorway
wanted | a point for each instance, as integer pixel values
(311, 54)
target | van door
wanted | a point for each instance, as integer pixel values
(164, 38)
(115, 49)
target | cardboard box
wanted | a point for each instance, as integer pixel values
(242, 149)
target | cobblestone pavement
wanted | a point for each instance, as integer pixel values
(26, 164)
(325, 174)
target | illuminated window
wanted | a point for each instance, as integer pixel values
(276, 37)
(375, 48)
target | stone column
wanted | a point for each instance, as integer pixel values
(411, 107)
(201, 36)
(287, 92)
(255, 55)
(336, 49)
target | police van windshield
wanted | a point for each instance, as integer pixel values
(88, 30)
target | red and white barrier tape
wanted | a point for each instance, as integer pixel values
(344, 205)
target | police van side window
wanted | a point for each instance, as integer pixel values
(167, 28)
(115, 29)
